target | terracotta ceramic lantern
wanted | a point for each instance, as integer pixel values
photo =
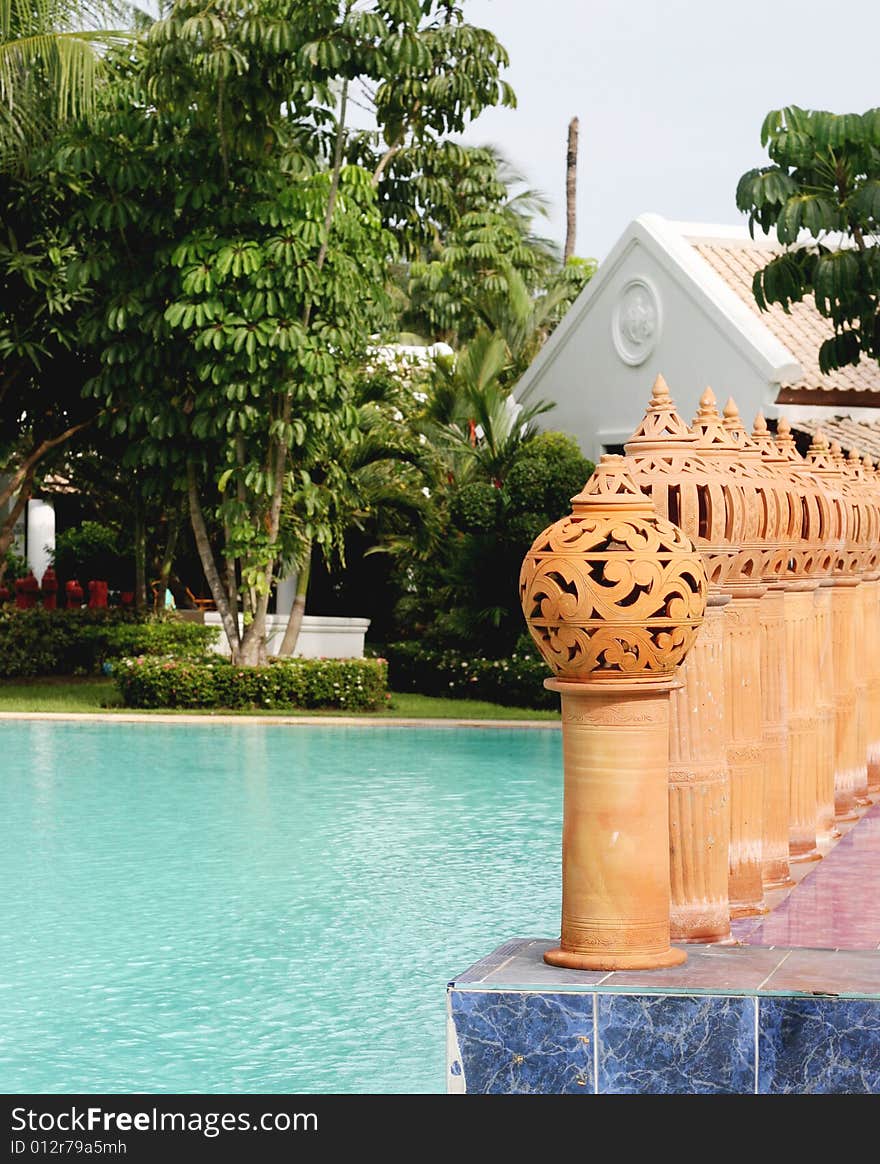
(808, 661)
(685, 489)
(872, 632)
(774, 508)
(614, 596)
(749, 501)
(849, 766)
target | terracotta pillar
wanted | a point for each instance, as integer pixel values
(824, 710)
(775, 740)
(872, 623)
(860, 559)
(802, 669)
(748, 497)
(615, 852)
(699, 790)
(662, 461)
(614, 596)
(781, 530)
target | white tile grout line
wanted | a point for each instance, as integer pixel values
(757, 1052)
(595, 1043)
(762, 984)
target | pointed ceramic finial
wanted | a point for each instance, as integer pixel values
(660, 395)
(611, 484)
(867, 464)
(707, 409)
(762, 438)
(731, 413)
(785, 441)
(709, 428)
(661, 425)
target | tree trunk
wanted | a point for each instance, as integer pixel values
(294, 622)
(571, 188)
(7, 530)
(228, 616)
(140, 554)
(165, 565)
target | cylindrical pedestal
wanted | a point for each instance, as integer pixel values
(871, 599)
(615, 835)
(742, 721)
(847, 762)
(826, 829)
(802, 664)
(859, 644)
(774, 735)
(699, 793)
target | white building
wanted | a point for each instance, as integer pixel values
(676, 299)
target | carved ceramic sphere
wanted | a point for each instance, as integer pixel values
(613, 591)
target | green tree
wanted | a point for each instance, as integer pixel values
(370, 485)
(466, 595)
(42, 365)
(237, 259)
(822, 196)
(51, 65)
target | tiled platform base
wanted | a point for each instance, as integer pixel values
(792, 1005)
(731, 1020)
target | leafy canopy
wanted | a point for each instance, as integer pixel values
(821, 195)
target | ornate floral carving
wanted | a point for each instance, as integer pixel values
(613, 588)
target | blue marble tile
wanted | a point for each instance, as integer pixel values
(675, 1044)
(524, 1044)
(818, 1046)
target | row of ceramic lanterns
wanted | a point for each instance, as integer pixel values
(776, 701)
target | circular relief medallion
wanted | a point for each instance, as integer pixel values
(635, 325)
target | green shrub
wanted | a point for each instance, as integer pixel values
(347, 684)
(79, 642)
(515, 681)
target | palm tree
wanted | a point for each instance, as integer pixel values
(51, 65)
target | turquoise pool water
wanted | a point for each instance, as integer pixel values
(256, 909)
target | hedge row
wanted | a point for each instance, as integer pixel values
(517, 681)
(79, 642)
(347, 684)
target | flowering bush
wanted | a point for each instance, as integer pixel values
(514, 681)
(347, 684)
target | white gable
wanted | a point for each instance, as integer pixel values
(655, 306)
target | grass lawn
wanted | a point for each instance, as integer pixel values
(67, 694)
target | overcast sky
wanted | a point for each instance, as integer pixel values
(670, 96)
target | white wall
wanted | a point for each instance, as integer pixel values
(601, 398)
(320, 637)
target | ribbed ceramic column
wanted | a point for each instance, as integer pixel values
(825, 462)
(699, 790)
(613, 596)
(807, 677)
(823, 701)
(742, 679)
(661, 460)
(783, 571)
(872, 636)
(861, 560)
(776, 532)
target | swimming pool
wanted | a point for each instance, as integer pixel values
(252, 908)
